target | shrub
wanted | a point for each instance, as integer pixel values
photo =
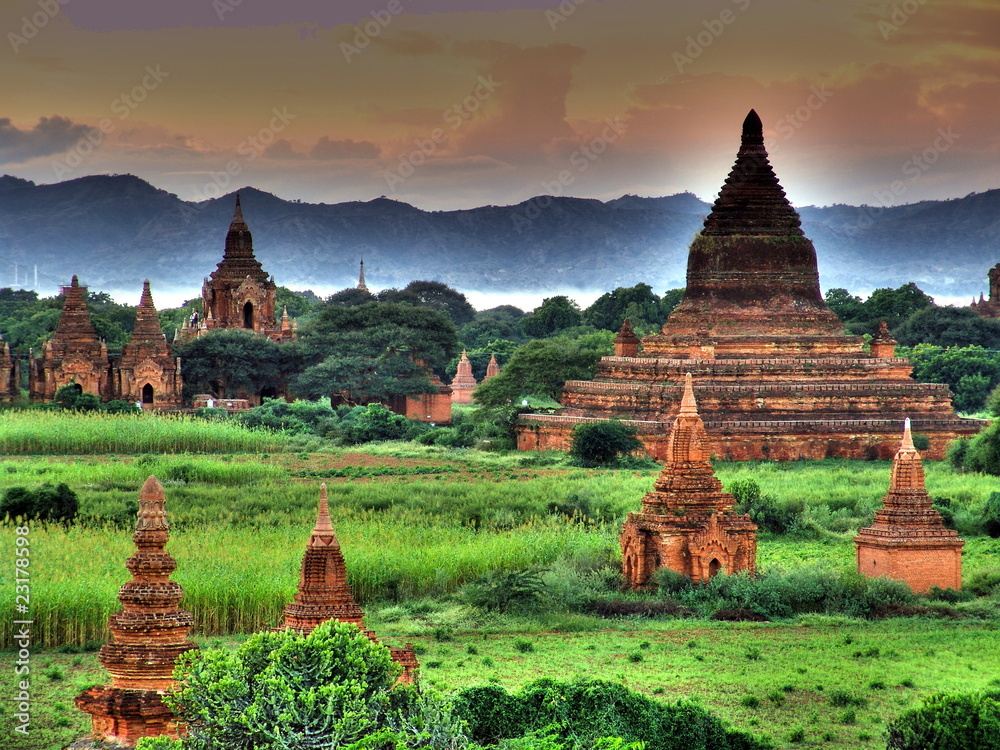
(991, 515)
(505, 591)
(285, 691)
(577, 715)
(983, 451)
(949, 721)
(844, 699)
(365, 424)
(118, 406)
(48, 504)
(603, 443)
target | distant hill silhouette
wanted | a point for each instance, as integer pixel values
(116, 230)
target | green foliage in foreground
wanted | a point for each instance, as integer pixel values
(980, 453)
(284, 691)
(579, 715)
(949, 721)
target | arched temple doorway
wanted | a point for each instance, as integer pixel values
(248, 315)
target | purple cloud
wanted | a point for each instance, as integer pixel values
(117, 15)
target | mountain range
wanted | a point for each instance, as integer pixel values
(115, 230)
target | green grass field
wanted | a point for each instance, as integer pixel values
(416, 523)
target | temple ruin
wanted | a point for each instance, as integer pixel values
(687, 522)
(908, 540)
(775, 374)
(324, 594)
(147, 636)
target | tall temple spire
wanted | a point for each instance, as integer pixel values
(751, 271)
(361, 278)
(492, 367)
(74, 323)
(147, 322)
(147, 636)
(238, 259)
(323, 592)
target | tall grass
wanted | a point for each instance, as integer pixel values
(76, 433)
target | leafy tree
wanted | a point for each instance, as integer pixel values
(374, 351)
(949, 721)
(299, 304)
(971, 372)
(438, 296)
(283, 691)
(982, 452)
(541, 367)
(498, 323)
(303, 417)
(638, 303)
(552, 316)
(603, 443)
(355, 380)
(896, 305)
(671, 298)
(948, 326)
(844, 305)
(232, 362)
(350, 297)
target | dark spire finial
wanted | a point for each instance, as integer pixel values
(752, 126)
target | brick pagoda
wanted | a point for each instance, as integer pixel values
(324, 593)
(74, 354)
(10, 374)
(238, 293)
(492, 368)
(147, 637)
(147, 372)
(464, 382)
(775, 375)
(687, 522)
(908, 540)
(990, 308)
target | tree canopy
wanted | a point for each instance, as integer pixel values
(553, 315)
(233, 362)
(638, 303)
(374, 351)
(541, 367)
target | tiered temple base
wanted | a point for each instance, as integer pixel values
(844, 405)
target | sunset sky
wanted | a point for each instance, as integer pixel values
(457, 103)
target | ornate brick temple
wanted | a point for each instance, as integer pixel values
(775, 375)
(324, 593)
(238, 293)
(74, 354)
(464, 382)
(687, 522)
(147, 637)
(147, 373)
(990, 308)
(908, 540)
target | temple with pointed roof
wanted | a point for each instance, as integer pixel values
(492, 368)
(324, 594)
(687, 522)
(908, 540)
(464, 382)
(147, 373)
(147, 636)
(362, 286)
(74, 355)
(774, 371)
(239, 293)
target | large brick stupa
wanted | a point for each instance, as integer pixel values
(774, 372)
